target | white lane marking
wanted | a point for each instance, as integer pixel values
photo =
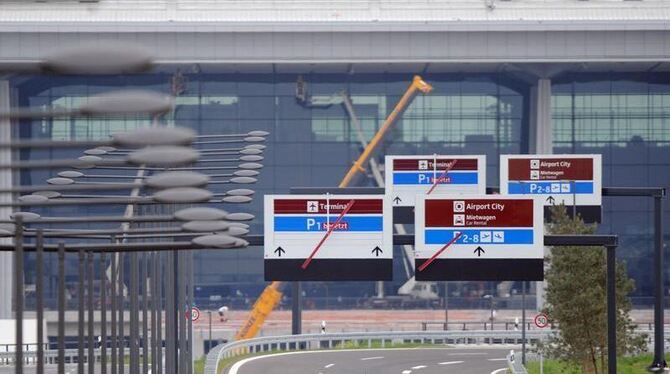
(329, 366)
(419, 367)
(406, 371)
(497, 359)
(372, 358)
(499, 371)
(469, 354)
(450, 362)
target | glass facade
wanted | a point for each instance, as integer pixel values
(313, 143)
(626, 118)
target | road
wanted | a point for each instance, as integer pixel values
(387, 361)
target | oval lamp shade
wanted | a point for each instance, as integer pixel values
(205, 226)
(258, 133)
(251, 158)
(239, 224)
(173, 179)
(101, 57)
(48, 194)
(216, 241)
(240, 217)
(95, 152)
(7, 229)
(240, 192)
(182, 195)
(254, 139)
(246, 173)
(243, 180)
(200, 214)
(251, 151)
(250, 166)
(237, 231)
(26, 216)
(70, 174)
(164, 156)
(236, 199)
(155, 136)
(87, 162)
(241, 243)
(127, 102)
(255, 146)
(33, 199)
(59, 181)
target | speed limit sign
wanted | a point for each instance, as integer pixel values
(541, 320)
(194, 314)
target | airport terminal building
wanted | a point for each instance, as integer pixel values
(509, 77)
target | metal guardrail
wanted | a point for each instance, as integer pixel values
(514, 364)
(51, 357)
(385, 339)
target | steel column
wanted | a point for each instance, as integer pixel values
(61, 307)
(103, 313)
(170, 354)
(39, 306)
(80, 319)
(113, 297)
(134, 317)
(181, 317)
(159, 310)
(122, 336)
(145, 326)
(91, 316)
(191, 303)
(19, 293)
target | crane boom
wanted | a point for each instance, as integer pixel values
(271, 296)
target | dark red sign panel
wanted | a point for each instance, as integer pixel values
(442, 164)
(524, 169)
(319, 206)
(479, 213)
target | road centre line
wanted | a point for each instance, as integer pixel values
(499, 371)
(329, 366)
(497, 359)
(419, 367)
(372, 358)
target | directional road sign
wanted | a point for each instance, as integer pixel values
(573, 180)
(408, 176)
(484, 237)
(328, 237)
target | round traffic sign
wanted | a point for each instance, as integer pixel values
(541, 320)
(194, 314)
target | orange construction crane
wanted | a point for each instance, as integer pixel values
(271, 296)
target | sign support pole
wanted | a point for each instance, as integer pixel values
(446, 306)
(611, 310)
(523, 322)
(296, 311)
(659, 356)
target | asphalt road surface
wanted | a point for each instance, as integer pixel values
(379, 361)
